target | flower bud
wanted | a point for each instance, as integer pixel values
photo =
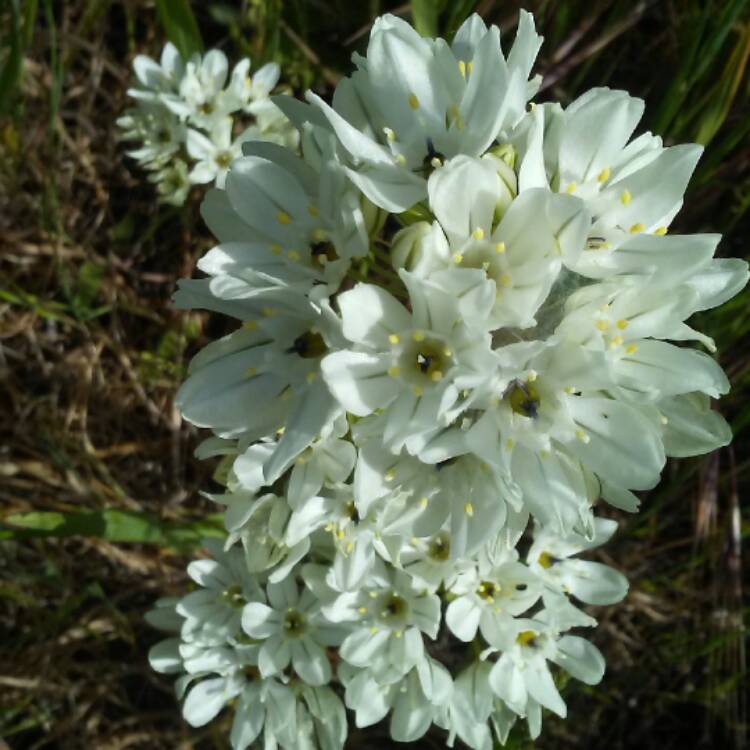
(374, 216)
(408, 246)
(503, 158)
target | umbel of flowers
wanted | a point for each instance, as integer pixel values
(460, 332)
(183, 121)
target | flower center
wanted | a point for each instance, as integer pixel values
(393, 609)
(488, 590)
(527, 638)
(523, 399)
(206, 108)
(425, 360)
(309, 345)
(223, 159)
(233, 596)
(439, 548)
(294, 623)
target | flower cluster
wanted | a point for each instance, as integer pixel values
(183, 119)
(457, 323)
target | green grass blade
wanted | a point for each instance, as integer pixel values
(112, 525)
(11, 71)
(180, 26)
(425, 15)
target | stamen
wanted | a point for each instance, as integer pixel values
(478, 233)
(626, 197)
(283, 217)
(603, 176)
(500, 247)
(413, 101)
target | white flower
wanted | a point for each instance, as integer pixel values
(485, 597)
(389, 616)
(172, 182)
(521, 676)
(414, 102)
(414, 700)
(213, 613)
(591, 582)
(215, 155)
(292, 630)
(154, 78)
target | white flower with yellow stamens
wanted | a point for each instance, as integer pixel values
(415, 102)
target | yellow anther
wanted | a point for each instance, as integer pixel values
(583, 437)
(293, 255)
(661, 231)
(478, 233)
(397, 633)
(571, 188)
(269, 312)
(394, 338)
(436, 376)
(458, 259)
(362, 610)
(400, 159)
(413, 101)
(349, 547)
(310, 377)
(313, 210)
(250, 372)
(570, 390)
(423, 502)
(447, 352)
(636, 228)
(389, 134)
(283, 217)
(374, 629)
(390, 475)
(526, 638)
(340, 534)
(626, 197)
(531, 376)
(469, 509)
(462, 68)
(416, 390)
(622, 324)
(418, 336)
(276, 249)
(663, 419)
(602, 325)
(615, 342)
(500, 247)
(631, 348)
(603, 176)
(509, 444)
(319, 235)
(469, 67)
(545, 560)
(250, 325)
(505, 280)
(394, 371)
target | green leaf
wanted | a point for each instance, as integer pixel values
(113, 525)
(180, 26)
